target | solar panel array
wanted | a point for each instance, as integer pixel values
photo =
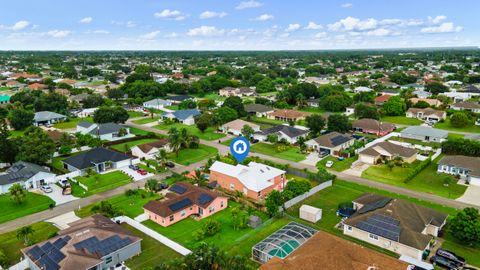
(374, 206)
(337, 140)
(205, 198)
(178, 189)
(104, 247)
(180, 204)
(381, 225)
(48, 256)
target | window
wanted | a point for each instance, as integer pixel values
(211, 209)
(232, 186)
(373, 236)
(349, 228)
(183, 213)
(171, 218)
(108, 260)
(221, 204)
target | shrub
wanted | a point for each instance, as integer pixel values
(417, 170)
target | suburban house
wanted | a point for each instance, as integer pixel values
(157, 104)
(150, 150)
(179, 99)
(287, 115)
(255, 181)
(426, 134)
(422, 93)
(463, 166)
(189, 200)
(92, 243)
(27, 174)
(467, 106)
(313, 102)
(331, 143)
(460, 96)
(105, 132)
(327, 251)
(82, 113)
(426, 114)
(186, 117)
(386, 151)
(372, 126)
(361, 89)
(291, 134)
(100, 159)
(235, 127)
(380, 100)
(259, 110)
(47, 118)
(237, 92)
(431, 101)
(397, 225)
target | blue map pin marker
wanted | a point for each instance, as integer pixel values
(239, 147)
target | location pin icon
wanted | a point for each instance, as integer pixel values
(240, 147)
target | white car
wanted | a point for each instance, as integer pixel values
(46, 189)
(329, 164)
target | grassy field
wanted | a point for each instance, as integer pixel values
(72, 123)
(291, 153)
(146, 120)
(132, 114)
(16, 133)
(33, 203)
(402, 120)
(188, 156)
(338, 165)
(11, 245)
(264, 122)
(153, 252)
(132, 206)
(447, 126)
(138, 132)
(121, 147)
(209, 135)
(99, 183)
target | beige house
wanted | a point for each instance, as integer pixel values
(427, 114)
(235, 127)
(331, 143)
(150, 150)
(386, 151)
(394, 224)
(430, 101)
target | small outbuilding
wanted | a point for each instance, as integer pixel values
(310, 213)
(254, 221)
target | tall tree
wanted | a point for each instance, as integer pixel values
(247, 131)
(236, 104)
(24, 234)
(8, 148)
(35, 146)
(20, 118)
(465, 226)
(339, 123)
(315, 122)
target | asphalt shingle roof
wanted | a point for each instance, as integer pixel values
(21, 171)
(97, 155)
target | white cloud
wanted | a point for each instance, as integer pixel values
(446, 27)
(151, 35)
(249, 4)
(212, 14)
(380, 32)
(101, 32)
(59, 33)
(285, 35)
(206, 31)
(347, 5)
(19, 25)
(293, 27)
(86, 20)
(171, 15)
(171, 35)
(129, 24)
(321, 35)
(437, 20)
(313, 26)
(352, 23)
(264, 17)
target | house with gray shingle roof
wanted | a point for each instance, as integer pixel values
(426, 134)
(381, 151)
(291, 134)
(186, 117)
(27, 174)
(47, 118)
(106, 132)
(157, 104)
(331, 143)
(463, 166)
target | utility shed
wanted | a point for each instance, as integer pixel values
(310, 213)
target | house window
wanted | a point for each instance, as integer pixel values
(373, 236)
(349, 228)
(232, 186)
(171, 218)
(221, 204)
(108, 260)
(211, 209)
(191, 208)
(183, 213)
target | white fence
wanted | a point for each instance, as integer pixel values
(69, 175)
(305, 195)
(74, 150)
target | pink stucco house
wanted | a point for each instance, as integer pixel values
(188, 200)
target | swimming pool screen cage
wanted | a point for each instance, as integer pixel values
(283, 242)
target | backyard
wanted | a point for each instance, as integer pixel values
(72, 123)
(287, 152)
(121, 147)
(146, 120)
(447, 126)
(402, 120)
(33, 203)
(209, 135)
(187, 156)
(99, 183)
(338, 165)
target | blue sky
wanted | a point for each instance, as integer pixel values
(237, 25)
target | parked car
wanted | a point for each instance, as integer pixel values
(163, 185)
(133, 167)
(443, 262)
(142, 172)
(329, 164)
(170, 164)
(46, 189)
(459, 261)
(254, 140)
(64, 183)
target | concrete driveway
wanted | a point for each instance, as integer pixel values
(57, 195)
(62, 221)
(471, 195)
(357, 169)
(134, 174)
(312, 159)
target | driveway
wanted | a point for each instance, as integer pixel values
(471, 195)
(312, 159)
(357, 169)
(57, 195)
(134, 174)
(62, 221)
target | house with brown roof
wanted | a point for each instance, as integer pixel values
(287, 115)
(431, 101)
(463, 166)
(235, 127)
(385, 150)
(37, 86)
(331, 143)
(426, 114)
(236, 92)
(150, 150)
(467, 106)
(380, 100)
(92, 243)
(372, 126)
(185, 200)
(397, 225)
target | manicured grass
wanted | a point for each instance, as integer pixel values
(132, 114)
(16, 133)
(72, 123)
(4, 88)
(402, 120)
(447, 126)
(291, 153)
(471, 254)
(11, 246)
(33, 203)
(173, 107)
(209, 135)
(264, 122)
(100, 183)
(188, 156)
(121, 147)
(146, 120)
(455, 136)
(382, 173)
(338, 165)
(138, 132)
(57, 162)
(153, 252)
(132, 206)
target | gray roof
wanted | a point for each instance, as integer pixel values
(287, 130)
(179, 98)
(184, 114)
(46, 115)
(425, 131)
(102, 129)
(156, 102)
(98, 155)
(21, 171)
(260, 108)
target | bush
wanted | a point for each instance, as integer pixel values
(131, 192)
(4, 263)
(210, 228)
(417, 170)
(461, 146)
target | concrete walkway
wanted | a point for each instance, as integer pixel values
(62, 221)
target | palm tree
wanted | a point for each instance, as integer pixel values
(17, 193)
(184, 138)
(300, 100)
(198, 177)
(162, 157)
(174, 139)
(24, 234)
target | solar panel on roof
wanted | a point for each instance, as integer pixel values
(35, 253)
(205, 198)
(56, 255)
(48, 264)
(47, 247)
(375, 205)
(180, 204)
(382, 226)
(178, 189)
(337, 140)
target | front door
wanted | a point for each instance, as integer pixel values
(200, 211)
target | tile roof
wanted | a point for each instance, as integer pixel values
(467, 105)
(146, 147)
(333, 139)
(383, 98)
(372, 124)
(289, 114)
(97, 155)
(238, 124)
(426, 111)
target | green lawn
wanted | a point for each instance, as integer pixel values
(172, 107)
(121, 147)
(33, 203)
(146, 120)
(188, 156)
(72, 123)
(402, 120)
(16, 133)
(100, 183)
(264, 122)
(447, 126)
(132, 114)
(137, 131)
(153, 252)
(57, 162)
(4, 88)
(132, 206)
(471, 254)
(209, 135)
(291, 153)
(338, 165)
(455, 136)
(11, 246)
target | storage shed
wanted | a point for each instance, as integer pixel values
(310, 213)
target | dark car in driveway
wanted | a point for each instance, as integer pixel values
(451, 256)
(444, 263)
(170, 164)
